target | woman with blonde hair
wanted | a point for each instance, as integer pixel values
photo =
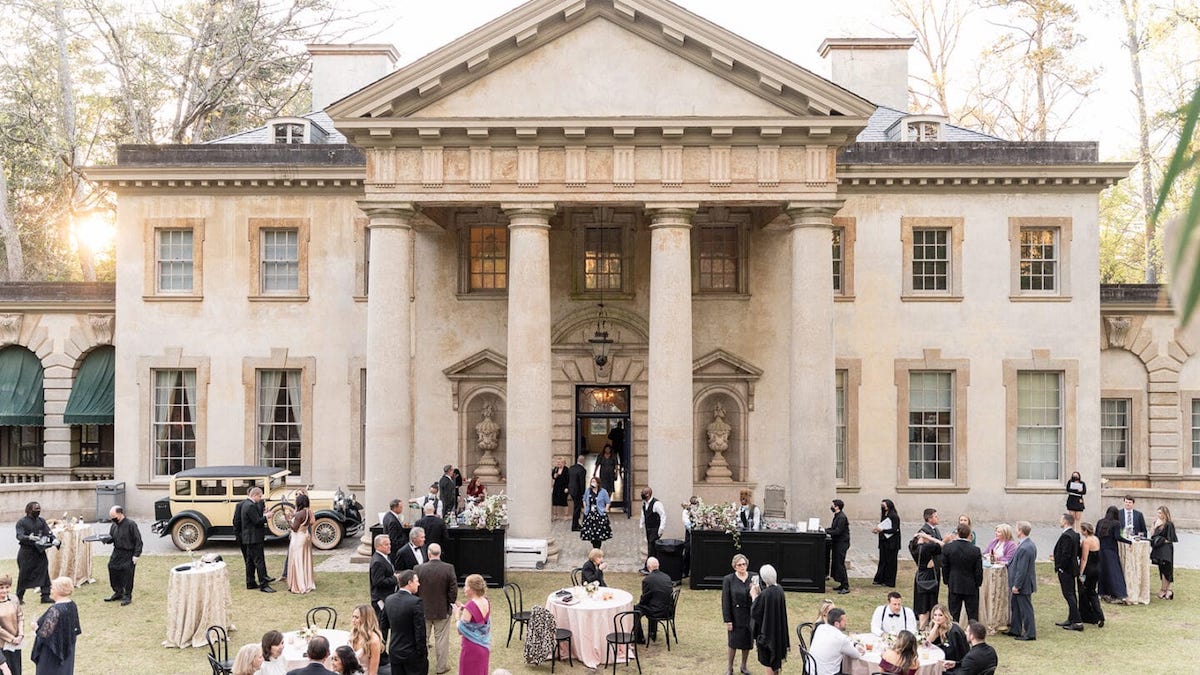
(248, 659)
(749, 515)
(475, 627)
(823, 611)
(901, 657)
(946, 634)
(735, 610)
(57, 629)
(366, 639)
(1001, 549)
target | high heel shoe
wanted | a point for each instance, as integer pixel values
(1170, 595)
(1100, 623)
(1162, 595)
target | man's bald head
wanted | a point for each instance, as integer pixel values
(651, 563)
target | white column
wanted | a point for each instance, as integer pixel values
(528, 380)
(389, 417)
(812, 409)
(671, 457)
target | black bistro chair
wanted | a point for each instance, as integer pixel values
(321, 617)
(562, 635)
(808, 663)
(218, 650)
(622, 636)
(516, 611)
(668, 621)
(804, 632)
(577, 576)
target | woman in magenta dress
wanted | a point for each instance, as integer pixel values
(475, 627)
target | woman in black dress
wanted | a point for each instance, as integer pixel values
(927, 582)
(558, 493)
(735, 610)
(1090, 610)
(769, 622)
(889, 544)
(944, 633)
(57, 628)
(1076, 489)
(1112, 577)
(608, 465)
(1162, 551)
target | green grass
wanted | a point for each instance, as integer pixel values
(1159, 638)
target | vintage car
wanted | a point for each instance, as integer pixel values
(202, 502)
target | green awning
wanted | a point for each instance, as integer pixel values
(91, 399)
(21, 400)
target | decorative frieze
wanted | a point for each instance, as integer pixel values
(768, 165)
(527, 166)
(431, 167)
(623, 166)
(576, 166)
(719, 174)
(481, 166)
(672, 165)
(816, 166)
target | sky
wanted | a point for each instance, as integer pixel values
(794, 29)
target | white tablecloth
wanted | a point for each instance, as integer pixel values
(1135, 563)
(197, 598)
(931, 657)
(74, 559)
(590, 620)
(294, 646)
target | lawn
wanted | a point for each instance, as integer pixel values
(1156, 639)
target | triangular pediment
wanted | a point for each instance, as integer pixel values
(599, 59)
(720, 364)
(482, 365)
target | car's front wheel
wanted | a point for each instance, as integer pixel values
(279, 519)
(326, 533)
(188, 534)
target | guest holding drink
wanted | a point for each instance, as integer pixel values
(1090, 610)
(1076, 489)
(735, 610)
(1162, 551)
(1112, 577)
(768, 620)
(1001, 549)
(475, 626)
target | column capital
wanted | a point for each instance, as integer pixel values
(528, 214)
(396, 215)
(813, 214)
(671, 214)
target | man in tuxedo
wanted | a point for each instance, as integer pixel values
(893, 617)
(446, 490)
(317, 653)
(962, 572)
(250, 527)
(1132, 520)
(413, 553)
(404, 615)
(1023, 579)
(430, 497)
(576, 484)
(839, 540)
(438, 593)
(383, 575)
(981, 656)
(393, 526)
(653, 521)
(655, 602)
(1066, 565)
(435, 527)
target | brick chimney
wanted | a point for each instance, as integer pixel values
(341, 70)
(874, 68)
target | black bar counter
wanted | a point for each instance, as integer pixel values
(798, 557)
(471, 551)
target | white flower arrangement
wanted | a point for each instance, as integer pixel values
(591, 587)
(723, 517)
(309, 633)
(489, 514)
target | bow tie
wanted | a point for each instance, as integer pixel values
(894, 616)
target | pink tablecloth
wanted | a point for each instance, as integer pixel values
(590, 620)
(294, 646)
(931, 657)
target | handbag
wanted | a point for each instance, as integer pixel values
(927, 579)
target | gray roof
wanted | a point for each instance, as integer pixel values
(883, 118)
(263, 134)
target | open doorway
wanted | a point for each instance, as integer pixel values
(602, 420)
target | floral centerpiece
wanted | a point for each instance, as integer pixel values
(723, 517)
(591, 587)
(489, 514)
(309, 633)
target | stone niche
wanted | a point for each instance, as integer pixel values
(478, 383)
(723, 400)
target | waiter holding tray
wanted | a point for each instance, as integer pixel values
(127, 548)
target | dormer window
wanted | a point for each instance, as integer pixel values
(917, 129)
(295, 131)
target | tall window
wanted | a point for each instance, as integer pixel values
(840, 396)
(603, 257)
(279, 416)
(931, 260)
(488, 252)
(1196, 433)
(174, 422)
(717, 252)
(280, 261)
(1114, 433)
(1039, 425)
(838, 258)
(173, 261)
(930, 425)
(1039, 258)
(289, 133)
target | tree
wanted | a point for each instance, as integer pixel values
(937, 27)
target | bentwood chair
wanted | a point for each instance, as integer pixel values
(804, 632)
(215, 665)
(622, 637)
(321, 617)
(808, 663)
(516, 611)
(577, 576)
(667, 621)
(218, 649)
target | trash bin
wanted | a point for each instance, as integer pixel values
(670, 557)
(109, 493)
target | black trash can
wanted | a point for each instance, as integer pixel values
(670, 557)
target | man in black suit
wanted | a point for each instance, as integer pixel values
(962, 572)
(1132, 520)
(317, 653)
(383, 575)
(393, 526)
(413, 553)
(655, 602)
(250, 527)
(653, 521)
(404, 615)
(438, 593)
(1066, 565)
(576, 484)
(981, 656)
(839, 540)
(435, 527)
(446, 490)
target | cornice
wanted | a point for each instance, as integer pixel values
(232, 177)
(1092, 176)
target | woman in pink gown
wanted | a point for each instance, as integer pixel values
(475, 626)
(299, 566)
